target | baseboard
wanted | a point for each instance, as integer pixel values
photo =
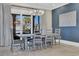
(69, 43)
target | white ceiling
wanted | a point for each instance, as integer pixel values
(48, 6)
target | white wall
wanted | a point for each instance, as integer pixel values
(47, 20)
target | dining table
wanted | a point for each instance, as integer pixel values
(24, 36)
(32, 35)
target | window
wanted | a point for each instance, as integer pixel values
(17, 23)
(22, 24)
(36, 24)
(26, 24)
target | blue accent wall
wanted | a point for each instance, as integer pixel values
(67, 33)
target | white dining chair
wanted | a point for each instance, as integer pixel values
(15, 41)
(30, 42)
(37, 41)
(48, 39)
(57, 36)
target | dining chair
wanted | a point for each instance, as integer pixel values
(15, 41)
(37, 41)
(48, 39)
(30, 42)
(57, 36)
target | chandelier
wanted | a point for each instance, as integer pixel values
(37, 12)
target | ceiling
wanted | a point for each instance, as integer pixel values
(46, 6)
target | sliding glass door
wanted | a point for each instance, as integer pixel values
(21, 24)
(26, 24)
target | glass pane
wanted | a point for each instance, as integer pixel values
(36, 24)
(18, 23)
(26, 24)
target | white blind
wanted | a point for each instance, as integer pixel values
(26, 11)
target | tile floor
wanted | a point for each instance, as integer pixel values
(56, 50)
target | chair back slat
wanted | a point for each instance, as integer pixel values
(57, 31)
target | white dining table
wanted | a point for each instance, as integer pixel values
(25, 38)
(31, 35)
